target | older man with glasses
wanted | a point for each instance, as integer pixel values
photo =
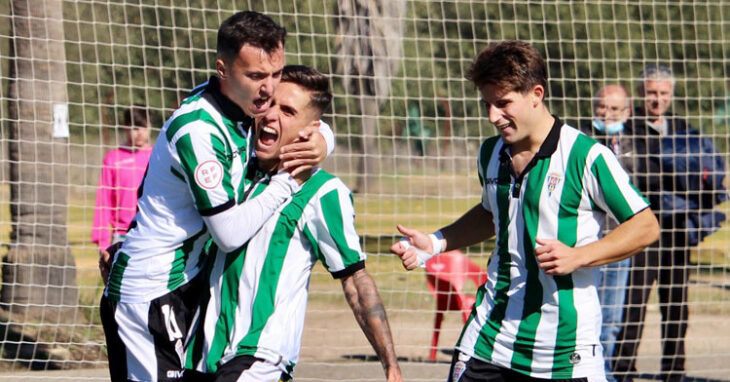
(681, 174)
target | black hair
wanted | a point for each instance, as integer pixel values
(249, 27)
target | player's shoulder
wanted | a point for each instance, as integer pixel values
(197, 116)
(323, 186)
(488, 145)
(322, 180)
(579, 141)
(486, 150)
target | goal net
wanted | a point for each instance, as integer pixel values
(408, 126)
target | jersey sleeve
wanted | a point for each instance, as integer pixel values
(328, 135)
(206, 161)
(485, 154)
(610, 187)
(333, 236)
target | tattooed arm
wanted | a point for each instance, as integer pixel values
(362, 295)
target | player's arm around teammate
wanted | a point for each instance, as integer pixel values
(362, 295)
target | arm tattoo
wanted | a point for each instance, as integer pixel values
(362, 295)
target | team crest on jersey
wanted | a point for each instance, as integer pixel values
(209, 174)
(552, 182)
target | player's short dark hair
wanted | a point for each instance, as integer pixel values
(137, 116)
(511, 65)
(248, 27)
(312, 80)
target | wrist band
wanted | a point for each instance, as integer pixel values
(437, 242)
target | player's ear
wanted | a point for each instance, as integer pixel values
(220, 68)
(537, 93)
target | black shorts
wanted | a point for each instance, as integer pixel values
(146, 341)
(470, 369)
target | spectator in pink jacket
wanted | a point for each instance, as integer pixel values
(121, 174)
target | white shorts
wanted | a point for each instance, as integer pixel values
(250, 369)
(146, 341)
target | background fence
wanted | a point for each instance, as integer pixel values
(407, 124)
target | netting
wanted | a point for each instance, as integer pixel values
(407, 123)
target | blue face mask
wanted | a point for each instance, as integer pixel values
(608, 129)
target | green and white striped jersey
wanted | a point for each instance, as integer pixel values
(258, 295)
(540, 325)
(197, 167)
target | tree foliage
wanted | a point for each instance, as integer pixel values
(132, 52)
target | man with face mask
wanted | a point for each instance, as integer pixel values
(611, 110)
(681, 174)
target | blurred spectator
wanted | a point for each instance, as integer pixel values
(121, 174)
(611, 110)
(681, 174)
(415, 131)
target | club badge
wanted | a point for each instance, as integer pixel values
(552, 182)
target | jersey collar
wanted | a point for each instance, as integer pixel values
(546, 150)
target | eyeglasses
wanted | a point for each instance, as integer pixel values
(615, 109)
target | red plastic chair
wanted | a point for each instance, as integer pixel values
(446, 274)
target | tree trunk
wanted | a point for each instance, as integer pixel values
(366, 169)
(39, 271)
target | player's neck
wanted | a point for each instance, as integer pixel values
(268, 165)
(534, 140)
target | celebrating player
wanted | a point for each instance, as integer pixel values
(252, 319)
(194, 190)
(546, 187)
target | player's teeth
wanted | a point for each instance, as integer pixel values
(269, 130)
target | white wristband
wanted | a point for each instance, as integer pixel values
(421, 255)
(437, 242)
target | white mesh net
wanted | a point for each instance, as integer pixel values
(407, 123)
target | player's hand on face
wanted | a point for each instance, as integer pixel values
(404, 247)
(307, 151)
(556, 258)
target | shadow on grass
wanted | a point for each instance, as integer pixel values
(24, 350)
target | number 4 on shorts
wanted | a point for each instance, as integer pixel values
(170, 324)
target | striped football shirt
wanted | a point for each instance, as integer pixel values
(541, 325)
(258, 295)
(197, 168)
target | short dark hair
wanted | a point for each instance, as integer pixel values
(312, 80)
(137, 116)
(511, 65)
(248, 27)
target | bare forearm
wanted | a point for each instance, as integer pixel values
(629, 238)
(475, 226)
(362, 295)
